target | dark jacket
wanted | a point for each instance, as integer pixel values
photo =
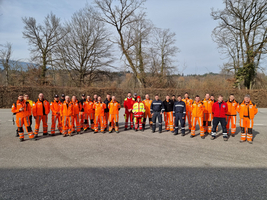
(82, 102)
(168, 105)
(107, 102)
(157, 106)
(179, 107)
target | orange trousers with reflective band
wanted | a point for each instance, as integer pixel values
(20, 121)
(246, 125)
(198, 120)
(76, 123)
(207, 122)
(113, 122)
(88, 117)
(188, 115)
(81, 117)
(56, 119)
(67, 123)
(231, 119)
(99, 120)
(168, 118)
(38, 120)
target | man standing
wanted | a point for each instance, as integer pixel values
(147, 102)
(135, 97)
(197, 116)
(156, 110)
(207, 118)
(99, 108)
(67, 112)
(168, 114)
(212, 98)
(81, 114)
(77, 107)
(138, 110)
(62, 99)
(179, 111)
(89, 114)
(188, 102)
(107, 101)
(114, 108)
(55, 107)
(95, 98)
(247, 110)
(231, 114)
(40, 110)
(128, 105)
(219, 109)
(173, 98)
(21, 108)
(26, 98)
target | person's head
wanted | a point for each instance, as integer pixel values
(99, 98)
(220, 98)
(197, 98)
(73, 98)
(167, 97)
(135, 95)
(41, 96)
(113, 98)
(207, 96)
(147, 96)
(63, 96)
(173, 97)
(231, 97)
(20, 97)
(88, 98)
(67, 99)
(95, 96)
(56, 97)
(138, 98)
(212, 97)
(186, 95)
(179, 98)
(83, 96)
(108, 96)
(26, 97)
(129, 94)
(247, 98)
(157, 97)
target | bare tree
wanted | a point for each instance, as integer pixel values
(85, 50)
(242, 36)
(5, 60)
(121, 14)
(43, 39)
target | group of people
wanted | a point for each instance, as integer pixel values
(74, 115)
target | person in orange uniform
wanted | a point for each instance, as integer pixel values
(99, 108)
(67, 112)
(22, 108)
(147, 102)
(128, 105)
(188, 103)
(114, 108)
(207, 118)
(89, 114)
(168, 114)
(40, 111)
(138, 111)
(231, 115)
(247, 110)
(77, 107)
(55, 107)
(81, 114)
(197, 116)
(107, 101)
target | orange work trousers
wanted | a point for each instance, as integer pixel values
(231, 119)
(99, 120)
(188, 115)
(67, 123)
(246, 125)
(56, 118)
(168, 118)
(76, 123)
(38, 120)
(20, 121)
(114, 121)
(207, 122)
(87, 117)
(81, 117)
(200, 123)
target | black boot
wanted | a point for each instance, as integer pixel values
(175, 133)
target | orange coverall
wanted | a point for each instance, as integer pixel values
(67, 112)
(197, 116)
(77, 107)
(114, 108)
(40, 110)
(55, 108)
(88, 113)
(188, 102)
(99, 108)
(246, 114)
(22, 117)
(207, 118)
(147, 103)
(231, 116)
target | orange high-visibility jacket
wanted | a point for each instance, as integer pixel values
(197, 109)
(232, 107)
(21, 104)
(67, 109)
(99, 108)
(147, 103)
(207, 104)
(249, 110)
(188, 103)
(77, 107)
(55, 107)
(114, 108)
(40, 108)
(88, 107)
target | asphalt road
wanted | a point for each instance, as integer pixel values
(132, 165)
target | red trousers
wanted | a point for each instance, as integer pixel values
(138, 121)
(127, 116)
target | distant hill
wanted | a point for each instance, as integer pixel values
(24, 65)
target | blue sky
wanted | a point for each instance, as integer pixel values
(189, 19)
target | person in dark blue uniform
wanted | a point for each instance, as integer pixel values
(156, 110)
(179, 111)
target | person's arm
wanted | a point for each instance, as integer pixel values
(151, 108)
(34, 109)
(162, 108)
(184, 111)
(173, 108)
(255, 109)
(14, 109)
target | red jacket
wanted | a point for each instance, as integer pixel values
(128, 104)
(220, 111)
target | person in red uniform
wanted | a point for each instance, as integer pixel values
(128, 105)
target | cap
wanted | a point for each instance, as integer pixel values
(56, 96)
(135, 94)
(63, 95)
(83, 95)
(138, 97)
